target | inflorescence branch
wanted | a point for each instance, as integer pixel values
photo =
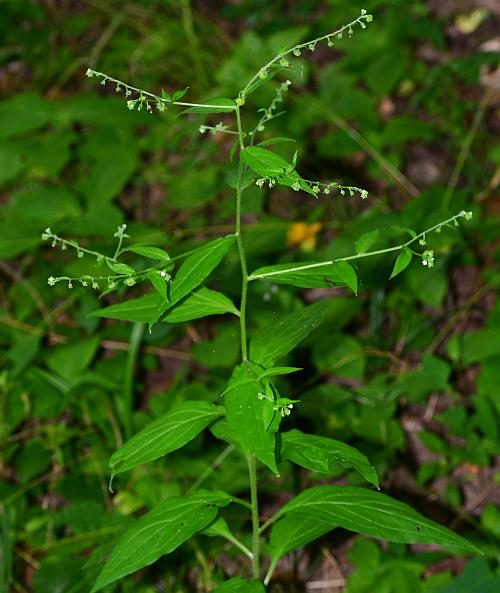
(427, 256)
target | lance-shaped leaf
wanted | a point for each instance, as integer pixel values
(294, 531)
(327, 274)
(374, 514)
(321, 454)
(165, 434)
(264, 162)
(282, 336)
(149, 252)
(201, 303)
(193, 271)
(366, 241)
(251, 419)
(160, 532)
(402, 262)
(239, 585)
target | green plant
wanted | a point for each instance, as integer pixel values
(253, 408)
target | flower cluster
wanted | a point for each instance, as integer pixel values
(428, 258)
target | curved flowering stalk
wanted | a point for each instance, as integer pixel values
(280, 61)
(426, 256)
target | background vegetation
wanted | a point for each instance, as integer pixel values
(408, 371)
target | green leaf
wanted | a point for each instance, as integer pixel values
(165, 95)
(278, 371)
(366, 241)
(402, 262)
(373, 514)
(160, 532)
(321, 454)
(348, 275)
(310, 274)
(264, 162)
(177, 96)
(282, 336)
(294, 531)
(159, 283)
(220, 105)
(240, 585)
(118, 268)
(137, 310)
(193, 271)
(248, 416)
(277, 140)
(149, 252)
(165, 434)
(201, 303)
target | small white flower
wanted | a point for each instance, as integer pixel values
(51, 281)
(296, 186)
(89, 73)
(326, 191)
(131, 104)
(202, 129)
(428, 258)
(260, 182)
(297, 52)
(130, 282)
(364, 194)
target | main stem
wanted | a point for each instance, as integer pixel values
(252, 461)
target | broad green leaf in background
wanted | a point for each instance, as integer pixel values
(165, 434)
(160, 532)
(193, 271)
(321, 454)
(240, 585)
(282, 336)
(402, 262)
(366, 241)
(220, 105)
(373, 514)
(71, 360)
(248, 416)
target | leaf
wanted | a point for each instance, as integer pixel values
(348, 275)
(322, 453)
(136, 310)
(240, 585)
(177, 96)
(150, 252)
(373, 514)
(264, 162)
(247, 416)
(193, 271)
(165, 95)
(220, 105)
(310, 274)
(282, 336)
(160, 532)
(201, 303)
(278, 371)
(366, 241)
(402, 262)
(165, 434)
(119, 268)
(294, 531)
(159, 283)
(277, 140)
